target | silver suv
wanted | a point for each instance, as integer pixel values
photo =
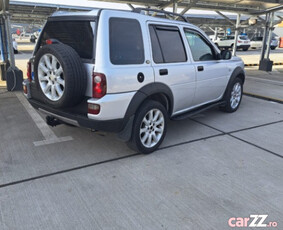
(128, 73)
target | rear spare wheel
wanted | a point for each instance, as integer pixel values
(60, 75)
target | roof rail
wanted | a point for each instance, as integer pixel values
(167, 14)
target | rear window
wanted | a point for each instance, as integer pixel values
(244, 37)
(77, 34)
(258, 39)
(229, 38)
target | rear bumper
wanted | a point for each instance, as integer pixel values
(115, 125)
(78, 115)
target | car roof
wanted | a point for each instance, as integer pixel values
(96, 12)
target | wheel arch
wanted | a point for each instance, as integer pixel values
(238, 72)
(154, 91)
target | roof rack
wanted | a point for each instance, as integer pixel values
(167, 14)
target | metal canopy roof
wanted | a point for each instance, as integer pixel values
(37, 13)
(255, 7)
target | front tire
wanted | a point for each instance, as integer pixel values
(233, 96)
(149, 128)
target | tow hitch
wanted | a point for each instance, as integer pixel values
(52, 121)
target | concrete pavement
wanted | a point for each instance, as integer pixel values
(252, 56)
(268, 85)
(192, 186)
(209, 169)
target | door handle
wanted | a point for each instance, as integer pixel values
(163, 71)
(200, 68)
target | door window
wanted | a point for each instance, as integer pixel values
(201, 50)
(167, 44)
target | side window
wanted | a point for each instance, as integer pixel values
(156, 50)
(201, 49)
(167, 44)
(126, 43)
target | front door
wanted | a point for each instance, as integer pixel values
(212, 75)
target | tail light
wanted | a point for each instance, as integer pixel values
(99, 85)
(240, 42)
(93, 109)
(49, 42)
(29, 71)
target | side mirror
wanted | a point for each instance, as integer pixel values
(218, 56)
(226, 54)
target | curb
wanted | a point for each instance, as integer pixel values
(277, 63)
(264, 97)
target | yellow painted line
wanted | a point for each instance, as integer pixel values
(264, 97)
(276, 63)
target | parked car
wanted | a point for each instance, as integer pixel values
(24, 37)
(228, 42)
(256, 43)
(129, 73)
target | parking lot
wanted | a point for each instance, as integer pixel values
(210, 168)
(252, 56)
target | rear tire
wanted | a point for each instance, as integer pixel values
(149, 128)
(60, 75)
(233, 96)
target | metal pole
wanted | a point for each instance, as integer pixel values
(10, 40)
(236, 34)
(4, 51)
(269, 37)
(263, 49)
(216, 33)
(175, 7)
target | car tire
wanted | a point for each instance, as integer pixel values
(60, 75)
(233, 96)
(272, 48)
(149, 128)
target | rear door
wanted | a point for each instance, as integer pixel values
(76, 32)
(212, 74)
(171, 63)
